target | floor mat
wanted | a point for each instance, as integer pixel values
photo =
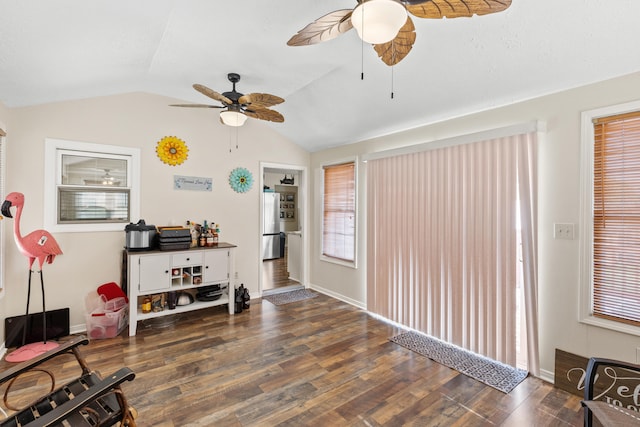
(490, 372)
(289, 297)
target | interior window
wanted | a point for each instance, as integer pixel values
(94, 187)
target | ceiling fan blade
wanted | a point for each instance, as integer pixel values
(395, 51)
(264, 114)
(326, 28)
(212, 94)
(260, 100)
(437, 9)
(195, 105)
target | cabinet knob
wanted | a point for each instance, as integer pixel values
(188, 259)
(206, 266)
(166, 272)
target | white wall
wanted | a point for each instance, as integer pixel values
(559, 200)
(136, 120)
(4, 121)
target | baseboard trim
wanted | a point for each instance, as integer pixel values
(337, 296)
(547, 376)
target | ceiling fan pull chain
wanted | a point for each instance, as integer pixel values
(362, 52)
(392, 81)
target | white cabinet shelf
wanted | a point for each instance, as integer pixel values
(154, 272)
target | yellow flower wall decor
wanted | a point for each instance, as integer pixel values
(172, 150)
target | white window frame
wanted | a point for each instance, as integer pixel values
(586, 221)
(3, 175)
(354, 263)
(52, 173)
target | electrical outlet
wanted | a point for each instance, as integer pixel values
(563, 231)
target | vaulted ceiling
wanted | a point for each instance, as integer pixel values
(69, 49)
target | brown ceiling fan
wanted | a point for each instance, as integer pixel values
(386, 24)
(237, 106)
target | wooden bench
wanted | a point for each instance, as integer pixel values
(89, 400)
(605, 413)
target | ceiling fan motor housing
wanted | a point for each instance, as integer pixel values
(233, 95)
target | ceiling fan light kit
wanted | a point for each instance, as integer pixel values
(232, 118)
(378, 21)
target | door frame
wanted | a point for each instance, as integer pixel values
(303, 203)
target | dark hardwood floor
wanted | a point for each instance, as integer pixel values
(275, 276)
(318, 362)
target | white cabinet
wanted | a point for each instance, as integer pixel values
(155, 274)
(294, 256)
(215, 266)
(152, 273)
(288, 207)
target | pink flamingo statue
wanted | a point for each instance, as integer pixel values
(37, 245)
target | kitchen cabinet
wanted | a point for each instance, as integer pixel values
(288, 207)
(294, 256)
(155, 272)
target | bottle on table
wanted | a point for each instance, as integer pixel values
(146, 304)
(203, 234)
(194, 234)
(209, 237)
(216, 234)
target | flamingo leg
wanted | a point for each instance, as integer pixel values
(44, 311)
(26, 315)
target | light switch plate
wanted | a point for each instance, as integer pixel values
(563, 231)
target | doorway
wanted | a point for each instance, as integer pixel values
(282, 224)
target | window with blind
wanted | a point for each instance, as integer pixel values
(92, 186)
(616, 218)
(2, 194)
(339, 213)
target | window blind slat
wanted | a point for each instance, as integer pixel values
(338, 235)
(616, 213)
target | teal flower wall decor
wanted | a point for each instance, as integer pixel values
(240, 180)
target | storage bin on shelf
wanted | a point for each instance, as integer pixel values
(106, 318)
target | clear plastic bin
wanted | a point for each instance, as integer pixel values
(106, 319)
(106, 324)
(115, 304)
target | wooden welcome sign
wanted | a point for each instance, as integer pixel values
(616, 386)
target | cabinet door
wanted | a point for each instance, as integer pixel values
(216, 265)
(155, 273)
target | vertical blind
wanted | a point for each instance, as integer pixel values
(442, 240)
(339, 211)
(616, 218)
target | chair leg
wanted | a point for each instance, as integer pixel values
(588, 417)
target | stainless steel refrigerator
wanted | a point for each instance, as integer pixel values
(271, 226)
